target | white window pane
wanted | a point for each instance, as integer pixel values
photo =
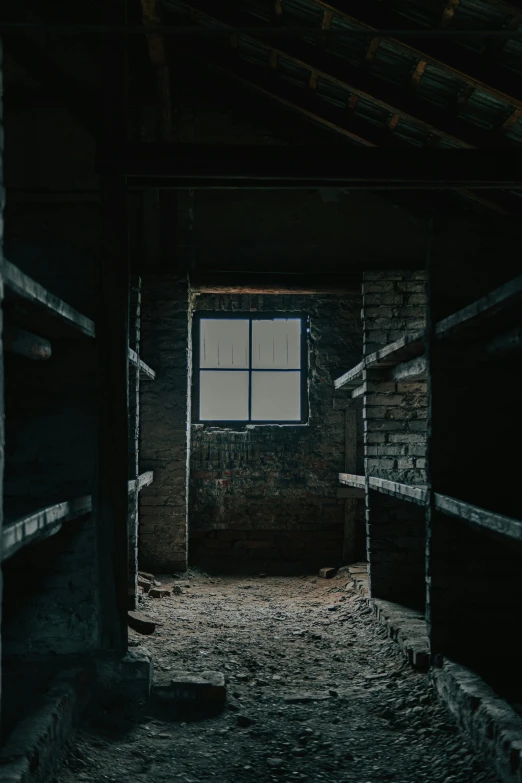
(277, 344)
(276, 396)
(223, 343)
(223, 396)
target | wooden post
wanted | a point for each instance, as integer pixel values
(112, 340)
(350, 507)
(1, 385)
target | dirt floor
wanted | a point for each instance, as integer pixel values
(316, 689)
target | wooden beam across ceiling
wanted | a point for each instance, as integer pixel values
(307, 103)
(247, 166)
(229, 64)
(359, 82)
(462, 63)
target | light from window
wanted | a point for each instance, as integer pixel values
(250, 369)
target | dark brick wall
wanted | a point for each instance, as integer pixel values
(394, 439)
(264, 497)
(164, 436)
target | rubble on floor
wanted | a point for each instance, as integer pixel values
(316, 691)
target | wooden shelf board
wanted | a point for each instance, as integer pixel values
(28, 289)
(41, 524)
(146, 372)
(494, 304)
(414, 494)
(402, 350)
(352, 480)
(143, 480)
(350, 379)
(498, 523)
(410, 371)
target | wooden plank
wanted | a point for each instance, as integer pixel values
(144, 479)
(465, 65)
(389, 356)
(41, 524)
(414, 494)
(2, 420)
(358, 391)
(412, 370)
(410, 345)
(350, 465)
(356, 81)
(252, 283)
(351, 378)
(498, 523)
(352, 480)
(503, 297)
(145, 370)
(292, 167)
(23, 285)
(113, 341)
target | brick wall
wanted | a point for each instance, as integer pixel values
(394, 438)
(164, 436)
(264, 497)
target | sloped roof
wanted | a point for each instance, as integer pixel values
(399, 90)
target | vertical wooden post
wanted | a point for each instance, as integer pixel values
(1, 382)
(113, 346)
(350, 508)
(134, 436)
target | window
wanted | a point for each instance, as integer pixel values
(250, 368)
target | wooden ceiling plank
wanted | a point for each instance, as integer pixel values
(367, 86)
(462, 63)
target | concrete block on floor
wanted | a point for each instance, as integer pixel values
(201, 694)
(128, 677)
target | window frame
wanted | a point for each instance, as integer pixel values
(249, 315)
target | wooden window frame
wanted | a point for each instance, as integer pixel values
(249, 316)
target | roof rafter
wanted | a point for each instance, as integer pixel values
(362, 83)
(465, 65)
(230, 65)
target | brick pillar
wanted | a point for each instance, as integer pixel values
(394, 438)
(165, 411)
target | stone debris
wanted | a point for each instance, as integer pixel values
(145, 584)
(327, 573)
(140, 622)
(158, 592)
(285, 661)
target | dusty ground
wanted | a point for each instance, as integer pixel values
(368, 717)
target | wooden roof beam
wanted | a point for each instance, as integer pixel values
(462, 63)
(361, 82)
(228, 63)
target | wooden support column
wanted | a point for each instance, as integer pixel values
(112, 339)
(1, 374)
(350, 507)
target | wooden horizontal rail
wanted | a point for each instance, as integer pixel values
(498, 523)
(481, 517)
(414, 494)
(145, 370)
(41, 524)
(507, 295)
(24, 286)
(407, 347)
(352, 480)
(143, 480)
